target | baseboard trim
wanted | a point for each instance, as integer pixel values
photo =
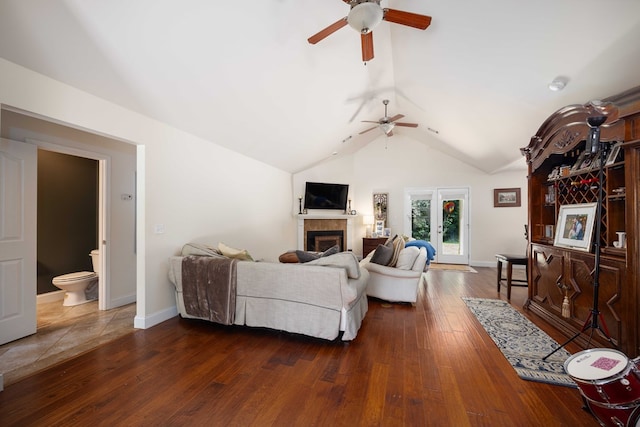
(145, 322)
(52, 296)
(119, 302)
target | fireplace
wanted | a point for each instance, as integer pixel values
(320, 241)
(319, 233)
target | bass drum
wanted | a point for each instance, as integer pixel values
(605, 377)
(611, 416)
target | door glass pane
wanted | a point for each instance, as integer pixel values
(421, 219)
(451, 228)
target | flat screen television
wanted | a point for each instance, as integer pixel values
(320, 195)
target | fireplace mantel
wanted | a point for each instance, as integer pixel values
(348, 238)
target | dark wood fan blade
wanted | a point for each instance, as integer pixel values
(396, 117)
(407, 18)
(370, 121)
(367, 130)
(408, 125)
(367, 46)
(328, 31)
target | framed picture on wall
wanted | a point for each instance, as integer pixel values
(506, 197)
(380, 201)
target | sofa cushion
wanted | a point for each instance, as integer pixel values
(230, 252)
(407, 258)
(346, 260)
(431, 251)
(382, 255)
(398, 245)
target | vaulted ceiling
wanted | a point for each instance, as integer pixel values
(242, 74)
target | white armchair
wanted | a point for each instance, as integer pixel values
(396, 284)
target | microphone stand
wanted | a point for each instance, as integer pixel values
(592, 320)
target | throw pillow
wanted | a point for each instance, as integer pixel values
(332, 250)
(289, 257)
(229, 252)
(398, 245)
(199, 249)
(382, 255)
(346, 260)
(407, 258)
(306, 256)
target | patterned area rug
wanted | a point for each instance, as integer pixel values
(521, 342)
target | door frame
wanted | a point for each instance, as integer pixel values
(435, 194)
(104, 167)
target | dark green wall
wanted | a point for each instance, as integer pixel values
(67, 215)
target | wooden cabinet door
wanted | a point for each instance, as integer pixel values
(547, 276)
(556, 273)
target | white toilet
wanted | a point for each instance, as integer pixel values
(78, 285)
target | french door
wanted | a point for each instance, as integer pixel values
(440, 216)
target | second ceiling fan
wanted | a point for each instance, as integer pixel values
(364, 16)
(386, 123)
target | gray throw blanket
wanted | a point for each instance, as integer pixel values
(209, 288)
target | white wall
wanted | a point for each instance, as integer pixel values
(196, 189)
(404, 163)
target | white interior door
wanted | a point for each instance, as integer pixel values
(440, 216)
(18, 198)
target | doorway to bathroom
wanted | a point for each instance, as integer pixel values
(67, 219)
(22, 136)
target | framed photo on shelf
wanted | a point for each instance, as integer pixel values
(506, 197)
(575, 226)
(548, 231)
(378, 229)
(615, 154)
(578, 163)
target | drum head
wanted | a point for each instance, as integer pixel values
(596, 364)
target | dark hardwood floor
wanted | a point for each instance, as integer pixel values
(428, 365)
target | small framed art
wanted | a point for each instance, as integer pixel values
(506, 197)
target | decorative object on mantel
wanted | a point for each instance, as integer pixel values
(349, 210)
(300, 205)
(380, 201)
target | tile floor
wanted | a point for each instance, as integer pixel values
(63, 332)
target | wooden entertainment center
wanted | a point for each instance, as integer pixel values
(560, 174)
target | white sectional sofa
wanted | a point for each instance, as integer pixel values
(320, 298)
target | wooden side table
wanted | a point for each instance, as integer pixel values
(371, 243)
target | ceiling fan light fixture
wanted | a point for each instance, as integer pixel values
(365, 16)
(387, 127)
